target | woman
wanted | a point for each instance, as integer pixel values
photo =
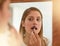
(8, 35)
(31, 28)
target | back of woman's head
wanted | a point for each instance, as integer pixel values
(1, 3)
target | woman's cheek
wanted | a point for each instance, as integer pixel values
(7, 14)
(39, 26)
(0, 17)
(28, 27)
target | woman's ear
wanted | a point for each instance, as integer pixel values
(23, 24)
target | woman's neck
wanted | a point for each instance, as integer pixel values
(3, 26)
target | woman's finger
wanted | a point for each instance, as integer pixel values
(34, 38)
(31, 41)
(37, 36)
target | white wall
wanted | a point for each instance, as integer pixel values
(45, 8)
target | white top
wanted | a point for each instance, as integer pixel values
(8, 39)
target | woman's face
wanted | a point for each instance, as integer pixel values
(5, 12)
(33, 22)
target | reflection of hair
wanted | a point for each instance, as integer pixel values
(1, 3)
(25, 14)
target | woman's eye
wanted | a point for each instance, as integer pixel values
(38, 19)
(30, 19)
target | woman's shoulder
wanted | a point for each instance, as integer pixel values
(12, 29)
(46, 40)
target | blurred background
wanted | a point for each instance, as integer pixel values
(56, 23)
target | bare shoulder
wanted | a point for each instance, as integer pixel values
(46, 40)
(13, 30)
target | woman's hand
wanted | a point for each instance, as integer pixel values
(34, 39)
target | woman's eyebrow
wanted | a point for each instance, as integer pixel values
(38, 17)
(31, 16)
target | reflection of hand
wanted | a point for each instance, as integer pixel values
(34, 40)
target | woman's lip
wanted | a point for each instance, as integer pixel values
(34, 28)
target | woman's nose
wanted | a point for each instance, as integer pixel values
(34, 22)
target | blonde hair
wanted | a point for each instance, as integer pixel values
(25, 14)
